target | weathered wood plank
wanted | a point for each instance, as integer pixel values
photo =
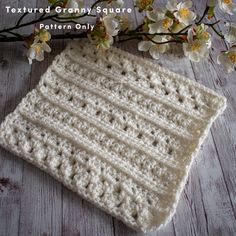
(41, 200)
(82, 218)
(14, 80)
(224, 209)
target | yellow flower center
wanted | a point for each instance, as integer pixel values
(166, 23)
(205, 35)
(184, 12)
(37, 49)
(44, 37)
(227, 1)
(195, 46)
(232, 58)
(144, 3)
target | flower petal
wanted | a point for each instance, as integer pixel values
(231, 35)
(224, 60)
(187, 4)
(111, 25)
(36, 39)
(72, 4)
(31, 53)
(192, 16)
(151, 15)
(154, 52)
(46, 47)
(229, 8)
(144, 46)
(40, 56)
(30, 61)
(190, 35)
(153, 28)
(171, 5)
(194, 57)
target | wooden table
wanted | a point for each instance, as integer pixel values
(33, 203)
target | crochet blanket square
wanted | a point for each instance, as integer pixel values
(118, 130)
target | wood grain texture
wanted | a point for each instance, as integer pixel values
(32, 203)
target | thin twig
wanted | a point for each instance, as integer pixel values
(211, 24)
(53, 37)
(204, 14)
(148, 34)
(15, 34)
(184, 29)
(68, 21)
(138, 28)
(168, 41)
(219, 34)
(41, 17)
(21, 18)
(128, 39)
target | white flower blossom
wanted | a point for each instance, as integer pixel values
(154, 49)
(228, 59)
(125, 22)
(230, 36)
(227, 6)
(36, 51)
(111, 4)
(161, 24)
(42, 35)
(39, 45)
(106, 43)
(196, 48)
(181, 11)
(119, 3)
(74, 4)
(200, 32)
(115, 3)
(171, 5)
(176, 27)
(111, 24)
(104, 30)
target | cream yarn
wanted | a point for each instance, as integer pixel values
(117, 129)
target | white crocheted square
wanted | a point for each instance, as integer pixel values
(117, 129)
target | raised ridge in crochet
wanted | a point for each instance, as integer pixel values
(117, 129)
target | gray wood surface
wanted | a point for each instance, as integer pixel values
(32, 203)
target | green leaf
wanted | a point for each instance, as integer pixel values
(210, 12)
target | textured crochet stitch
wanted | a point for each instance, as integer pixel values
(117, 129)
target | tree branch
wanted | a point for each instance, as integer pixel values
(204, 14)
(53, 37)
(165, 42)
(21, 18)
